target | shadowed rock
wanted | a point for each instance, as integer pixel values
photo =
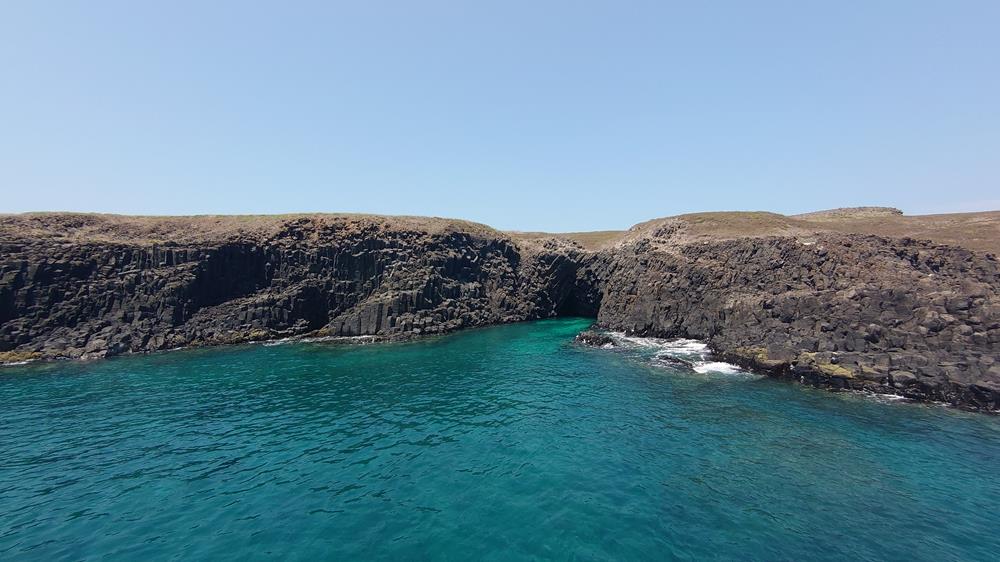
(86, 286)
(674, 361)
(815, 300)
(594, 339)
(842, 311)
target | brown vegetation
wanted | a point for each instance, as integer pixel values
(93, 227)
(973, 231)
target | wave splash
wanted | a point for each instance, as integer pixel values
(678, 352)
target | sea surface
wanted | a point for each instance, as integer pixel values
(506, 443)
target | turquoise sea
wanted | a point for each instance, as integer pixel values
(506, 443)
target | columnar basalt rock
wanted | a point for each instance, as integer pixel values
(840, 311)
(819, 306)
(331, 276)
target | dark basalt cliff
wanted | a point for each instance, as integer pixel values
(61, 297)
(821, 306)
(842, 311)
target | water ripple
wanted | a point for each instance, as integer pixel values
(503, 443)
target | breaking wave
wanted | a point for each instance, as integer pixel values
(717, 367)
(676, 353)
(321, 339)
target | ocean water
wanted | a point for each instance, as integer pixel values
(506, 443)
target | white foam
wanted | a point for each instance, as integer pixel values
(694, 351)
(679, 345)
(883, 398)
(319, 339)
(282, 341)
(687, 347)
(716, 367)
(641, 342)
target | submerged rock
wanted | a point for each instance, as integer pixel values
(674, 361)
(595, 339)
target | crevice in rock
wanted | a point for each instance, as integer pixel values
(847, 311)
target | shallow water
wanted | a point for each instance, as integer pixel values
(501, 443)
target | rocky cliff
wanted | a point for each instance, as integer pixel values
(838, 311)
(813, 301)
(83, 286)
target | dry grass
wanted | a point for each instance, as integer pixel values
(590, 240)
(850, 213)
(91, 227)
(976, 231)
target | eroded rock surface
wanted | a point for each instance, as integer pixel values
(816, 305)
(63, 295)
(839, 311)
(594, 338)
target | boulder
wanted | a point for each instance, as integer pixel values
(594, 339)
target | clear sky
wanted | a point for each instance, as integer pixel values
(531, 115)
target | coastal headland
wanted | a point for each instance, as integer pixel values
(862, 298)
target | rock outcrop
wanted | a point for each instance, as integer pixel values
(841, 311)
(594, 338)
(82, 295)
(817, 305)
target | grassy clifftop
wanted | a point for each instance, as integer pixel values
(975, 231)
(92, 227)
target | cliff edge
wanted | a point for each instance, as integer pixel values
(837, 299)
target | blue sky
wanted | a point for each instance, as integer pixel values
(532, 115)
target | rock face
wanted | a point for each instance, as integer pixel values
(839, 310)
(64, 298)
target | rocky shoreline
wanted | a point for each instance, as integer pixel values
(797, 300)
(844, 311)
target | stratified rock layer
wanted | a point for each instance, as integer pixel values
(816, 305)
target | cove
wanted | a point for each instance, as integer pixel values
(500, 443)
